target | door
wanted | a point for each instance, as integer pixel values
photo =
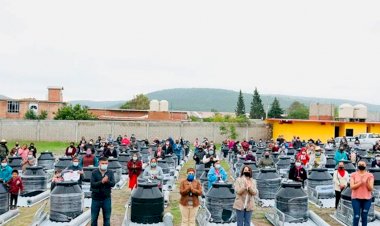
(336, 134)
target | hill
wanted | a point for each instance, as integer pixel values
(205, 99)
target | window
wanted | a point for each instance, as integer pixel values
(13, 107)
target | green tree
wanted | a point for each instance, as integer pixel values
(298, 110)
(30, 114)
(275, 110)
(240, 106)
(76, 112)
(257, 108)
(229, 131)
(139, 102)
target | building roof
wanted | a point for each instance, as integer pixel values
(320, 121)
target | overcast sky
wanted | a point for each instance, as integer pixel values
(112, 50)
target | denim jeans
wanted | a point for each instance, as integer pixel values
(105, 205)
(361, 208)
(243, 218)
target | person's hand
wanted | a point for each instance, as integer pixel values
(105, 179)
(80, 172)
(341, 187)
(18, 182)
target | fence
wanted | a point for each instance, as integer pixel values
(57, 130)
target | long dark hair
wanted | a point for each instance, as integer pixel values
(249, 169)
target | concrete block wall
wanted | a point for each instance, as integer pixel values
(57, 130)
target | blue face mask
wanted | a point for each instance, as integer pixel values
(153, 164)
(190, 177)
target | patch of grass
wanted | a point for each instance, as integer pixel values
(57, 147)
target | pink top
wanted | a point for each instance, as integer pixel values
(362, 191)
(23, 153)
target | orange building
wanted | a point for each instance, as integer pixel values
(16, 108)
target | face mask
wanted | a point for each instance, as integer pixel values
(377, 158)
(30, 156)
(190, 177)
(167, 144)
(211, 152)
(298, 164)
(71, 146)
(134, 158)
(341, 167)
(317, 154)
(4, 164)
(217, 166)
(75, 163)
(247, 174)
(266, 156)
(153, 164)
(361, 168)
(103, 167)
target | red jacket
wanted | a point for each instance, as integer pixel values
(15, 187)
(245, 145)
(73, 152)
(134, 171)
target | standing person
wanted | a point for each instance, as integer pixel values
(298, 173)
(33, 149)
(5, 171)
(216, 173)
(71, 150)
(178, 151)
(154, 172)
(15, 186)
(167, 148)
(190, 190)
(102, 181)
(30, 161)
(361, 184)
(210, 158)
(340, 179)
(340, 154)
(199, 153)
(246, 190)
(134, 170)
(23, 152)
(4, 151)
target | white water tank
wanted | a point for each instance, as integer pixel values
(154, 105)
(346, 111)
(360, 111)
(164, 105)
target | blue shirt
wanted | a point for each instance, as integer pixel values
(213, 177)
(339, 156)
(5, 173)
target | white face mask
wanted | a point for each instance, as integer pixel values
(217, 166)
(4, 164)
(377, 158)
(103, 166)
(30, 156)
(298, 164)
(75, 163)
(134, 158)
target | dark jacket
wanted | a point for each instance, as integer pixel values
(168, 150)
(110, 153)
(296, 175)
(99, 190)
(374, 164)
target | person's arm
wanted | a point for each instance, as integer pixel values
(139, 165)
(223, 174)
(95, 182)
(111, 179)
(184, 189)
(239, 187)
(146, 174)
(160, 175)
(129, 165)
(205, 160)
(253, 188)
(96, 162)
(370, 183)
(81, 163)
(355, 185)
(197, 190)
(211, 176)
(335, 178)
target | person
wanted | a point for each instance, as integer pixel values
(267, 161)
(118, 139)
(177, 148)
(56, 178)
(199, 153)
(110, 139)
(167, 148)
(134, 170)
(4, 151)
(5, 171)
(353, 157)
(357, 142)
(246, 190)
(23, 152)
(298, 172)
(88, 159)
(251, 142)
(71, 150)
(340, 180)
(245, 145)
(91, 145)
(216, 173)
(340, 154)
(210, 158)
(303, 156)
(154, 172)
(102, 182)
(159, 153)
(196, 142)
(110, 151)
(125, 141)
(361, 184)
(75, 167)
(250, 156)
(376, 163)
(33, 149)
(15, 187)
(30, 161)
(190, 190)
(297, 144)
(317, 159)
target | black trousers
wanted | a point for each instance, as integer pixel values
(14, 198)
(337, 198)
